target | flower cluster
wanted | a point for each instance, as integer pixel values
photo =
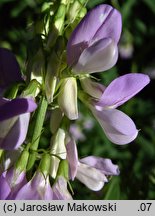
(38, 151)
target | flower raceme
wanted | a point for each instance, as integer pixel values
(92, 47)
(118, 127)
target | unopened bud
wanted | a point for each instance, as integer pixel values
(50, 85)
(60, 17)
(58, 151)
(74, 10)
(67, 98)
(36, 68)
(58, 144)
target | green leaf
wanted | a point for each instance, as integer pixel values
(150, 4)
(113, 192)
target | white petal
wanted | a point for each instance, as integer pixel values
(91, 177)
(67, 98)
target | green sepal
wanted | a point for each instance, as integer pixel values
(22, 161)
(45, 163)
(32, 89)
(63, 169)
(11, 92)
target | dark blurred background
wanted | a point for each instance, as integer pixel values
(137, 54)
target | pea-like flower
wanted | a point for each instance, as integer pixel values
(92, 171)
(118, 127)
(92, 46)
(15, 113)
(14, 121)
(11, 181)
(38, 188)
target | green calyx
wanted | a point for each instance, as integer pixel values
(32, 90)
(22, 161)
(63, 169)
(45, 163)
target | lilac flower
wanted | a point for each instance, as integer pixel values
(91, 171)
(4, 188)
(14, 121)
(92, 46)
(9, 69)
(118, 127)
(72, 157)
(60, 191)
(11, 181)
(38, 188)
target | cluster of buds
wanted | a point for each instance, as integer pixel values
(38, 151)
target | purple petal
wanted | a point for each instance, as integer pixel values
(60, 191)
(101, 56)
(16, 107)
(118, 127)
(36, 189)
(16, 180)
(14, 177)
(101, 22)
(122, 89)
(9, 68)
(104, 165)
(111, 25)
(14, 131)
(72, 157)
(3, 101)
(27, 193)
(4, 188)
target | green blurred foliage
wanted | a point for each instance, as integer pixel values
(137, 47)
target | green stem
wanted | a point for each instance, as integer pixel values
(37, 132)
